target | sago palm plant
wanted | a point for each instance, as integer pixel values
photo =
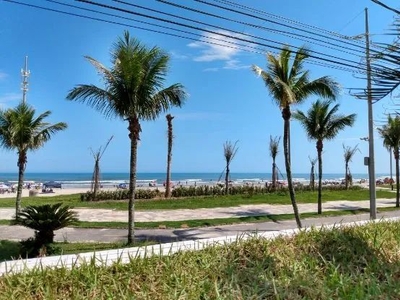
(45, 219)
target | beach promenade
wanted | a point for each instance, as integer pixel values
(110, 215)
(164, 235)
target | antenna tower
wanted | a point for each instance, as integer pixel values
(25, 74)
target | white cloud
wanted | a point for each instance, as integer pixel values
(211, 70)
(224, 50)
(3, 75)
(199, 116)
(9, 97)
(234, 64)
(177, 55)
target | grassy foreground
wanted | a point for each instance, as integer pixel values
(10, 250)
(350, 263)
(202, 202)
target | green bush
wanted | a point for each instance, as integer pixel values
(205, 190)
(246, 190)
(120, 195)
(44, 219)
(32, 247)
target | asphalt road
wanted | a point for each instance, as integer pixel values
(170, 235)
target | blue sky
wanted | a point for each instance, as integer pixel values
(227, 101)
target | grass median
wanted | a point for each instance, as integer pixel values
(201, 202)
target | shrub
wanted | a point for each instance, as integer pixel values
(44, 219)
(120, 195)
(246, 190)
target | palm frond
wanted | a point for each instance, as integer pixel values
(290, 84)
(322, 122)
(274, 146)
(349, 152)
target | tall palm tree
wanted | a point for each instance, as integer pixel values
(323, 123)
(288, 84)
(273, 152)
(169, 118)
(96, 171)
(134, 92)
(230, 151)
(348, 154)
(390, 134)
(21, 130)
(312, 172)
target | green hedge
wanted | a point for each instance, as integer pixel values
(219, 190)
(191, 191)
(120, 195)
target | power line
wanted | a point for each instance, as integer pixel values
(337, 65)
(277, 31)
(237, 46)
(342, 39)
(339, 61)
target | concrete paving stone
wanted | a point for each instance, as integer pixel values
(110, 215)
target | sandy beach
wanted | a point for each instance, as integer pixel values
(69, 191)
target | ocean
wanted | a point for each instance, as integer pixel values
(78, 180)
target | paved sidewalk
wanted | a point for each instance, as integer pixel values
(170, 235)
(109, 215)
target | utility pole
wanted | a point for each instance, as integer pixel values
(24, 85)
(371, 159)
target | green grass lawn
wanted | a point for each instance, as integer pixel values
(201, 202)
(342, 263)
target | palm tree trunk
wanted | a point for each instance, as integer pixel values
(312, 178)
(346, 176)
(227, 179)
(169, 157)
(319, 150)
(273, 174)
(286, 139)
(396, 156)
(134, 131)
(96, 179)
(21, 170)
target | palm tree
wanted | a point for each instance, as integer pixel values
(348, 154)
(390, 134)
(273, 151)
(322, 123)
(169, 118)
(21, 130)
(289, 84)
(96, 172)
(230, 151)
(134, 92)
(312, 172)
